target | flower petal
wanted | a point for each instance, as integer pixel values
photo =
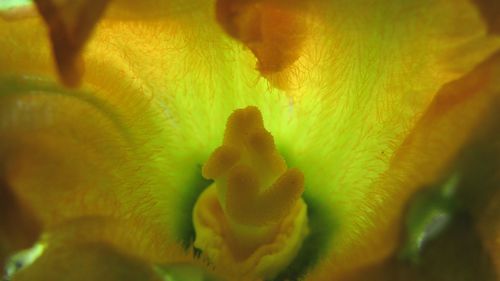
(12, 9)
(153, 9)
(363, 99)
(424, 157)
(95, 151)
(130, 236)
(49, 161)
(85, 261)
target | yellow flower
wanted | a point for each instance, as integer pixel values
(367, 102)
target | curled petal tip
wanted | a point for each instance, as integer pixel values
(70, 24)
(273, 31)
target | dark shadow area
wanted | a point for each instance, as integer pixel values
(490, 10)
(18, 226)
(456, 255)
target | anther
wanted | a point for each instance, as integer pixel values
(222, 159)
(253, 180)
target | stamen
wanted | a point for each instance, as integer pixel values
(252, 218)
(259, 189)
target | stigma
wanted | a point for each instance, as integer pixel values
(252, 219)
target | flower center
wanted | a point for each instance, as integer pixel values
(252, 220)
